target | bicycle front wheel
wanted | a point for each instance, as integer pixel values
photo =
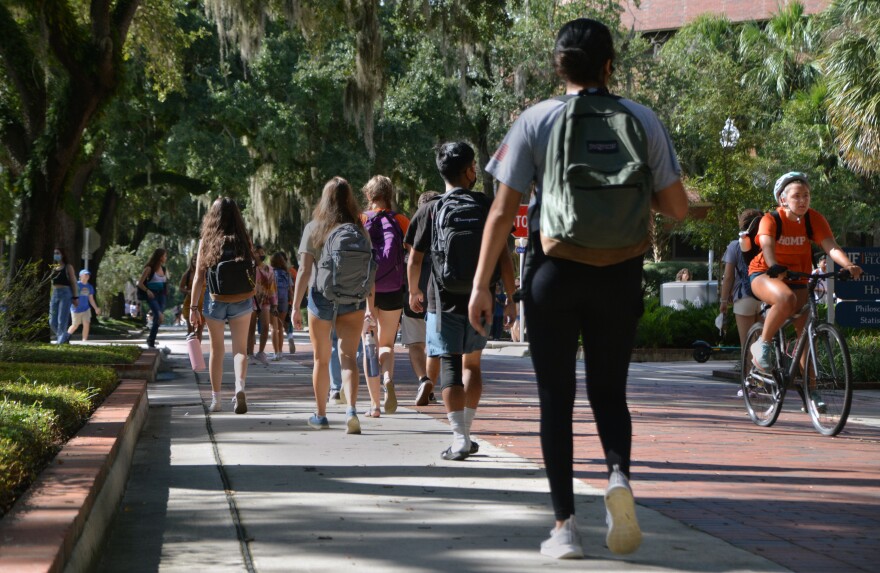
(761, 393)
(829, 386)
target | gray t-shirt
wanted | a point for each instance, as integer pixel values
(519, 160)
(734, 255)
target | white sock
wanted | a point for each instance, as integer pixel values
(239, 386)
(469, 415)
(215, 396)
(460, 441)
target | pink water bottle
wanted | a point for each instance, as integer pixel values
(196, 357)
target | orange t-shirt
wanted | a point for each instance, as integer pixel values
(793, 248)
(402, 220)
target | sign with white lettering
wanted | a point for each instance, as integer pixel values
(521, 223)
(857, 314)
(868, 285)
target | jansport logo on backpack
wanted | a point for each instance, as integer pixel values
(455, 240)
(345, 270)
(387, 238)
(596, 191)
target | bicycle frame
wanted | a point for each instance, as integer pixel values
(789, 365)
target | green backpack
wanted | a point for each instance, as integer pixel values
(597, 187)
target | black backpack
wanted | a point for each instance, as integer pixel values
(231, 276)
(457, 232)
(753, 234)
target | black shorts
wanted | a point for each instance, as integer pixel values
(390, 300)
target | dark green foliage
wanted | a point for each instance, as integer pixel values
(23, 308)
(665, 327)
(863, 345)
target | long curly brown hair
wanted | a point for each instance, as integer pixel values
(223, 227)
(338, 205)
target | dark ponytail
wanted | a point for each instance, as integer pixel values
(583, 46)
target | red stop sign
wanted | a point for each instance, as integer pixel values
(521, 222)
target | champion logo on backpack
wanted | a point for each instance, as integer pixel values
(345, 271)
(387, 238)
(456, 236)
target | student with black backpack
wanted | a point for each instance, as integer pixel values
(337, 269)
(225, 260)
(386, 229)
(449, 229)
(600, 164)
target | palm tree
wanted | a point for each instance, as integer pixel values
(851, 65)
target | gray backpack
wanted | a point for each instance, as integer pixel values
(597, 186)
(346, 270)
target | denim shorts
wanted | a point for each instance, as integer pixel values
(456, 335)
(323, 308)
(216, 310)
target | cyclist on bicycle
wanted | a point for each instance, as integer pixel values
(791, 252)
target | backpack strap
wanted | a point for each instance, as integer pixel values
(778, 218)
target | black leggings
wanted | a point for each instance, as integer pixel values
(565, 299)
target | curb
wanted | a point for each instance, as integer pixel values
(144, 368)
(59, 524)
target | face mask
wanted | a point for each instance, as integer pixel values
(57, 257)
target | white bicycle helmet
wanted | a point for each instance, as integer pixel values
(786, 179)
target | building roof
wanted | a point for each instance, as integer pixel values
(666, 15)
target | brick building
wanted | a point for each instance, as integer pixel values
(653, 16)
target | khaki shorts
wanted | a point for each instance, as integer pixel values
(747, 306)
(412, 330)
(80, 318)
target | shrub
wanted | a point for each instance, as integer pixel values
(28, 439)
(24, 312)
(70, 406)
(96, 381)
(68, 354)
(665, 327)
(865, 359)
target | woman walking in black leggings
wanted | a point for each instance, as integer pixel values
(564, 299)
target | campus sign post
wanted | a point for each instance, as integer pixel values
(859, 305)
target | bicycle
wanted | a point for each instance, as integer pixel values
(827, 394)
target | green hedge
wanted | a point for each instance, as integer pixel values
(665, 327)
(71, 407)
(68, 353)
(29, 437)
(863, 346)
(95, 381)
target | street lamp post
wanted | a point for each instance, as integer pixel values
(728, 141)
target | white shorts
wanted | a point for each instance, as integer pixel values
(747, 306)
(79, 318)
(412, 330)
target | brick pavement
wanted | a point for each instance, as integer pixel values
(804, 501)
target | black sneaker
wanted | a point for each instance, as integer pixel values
(451, 456)
(475, 447)
(334, 397)
(432, 399)
(424, 394)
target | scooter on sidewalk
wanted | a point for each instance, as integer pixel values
(703, 351)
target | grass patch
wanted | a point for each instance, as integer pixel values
(114, 327)
(71, 407)
(68, 353)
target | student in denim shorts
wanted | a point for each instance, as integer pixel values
(338, 205)
(225, 238)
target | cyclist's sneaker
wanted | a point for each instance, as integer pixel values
(624, 535)
(564, 542)
(762, 355)
(818, 402)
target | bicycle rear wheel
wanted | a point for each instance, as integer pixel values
(761, 393)
(829, 389)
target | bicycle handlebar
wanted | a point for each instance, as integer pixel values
(842, 274)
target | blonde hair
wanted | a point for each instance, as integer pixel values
(379, 190)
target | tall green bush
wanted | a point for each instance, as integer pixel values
(24, 312)
(665, 327)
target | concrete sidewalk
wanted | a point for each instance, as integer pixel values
(263, 492)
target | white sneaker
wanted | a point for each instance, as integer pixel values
(624, 535)
(763, 356)
(564, 543)
(262, 358)
(215, 406)
(278, 356)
